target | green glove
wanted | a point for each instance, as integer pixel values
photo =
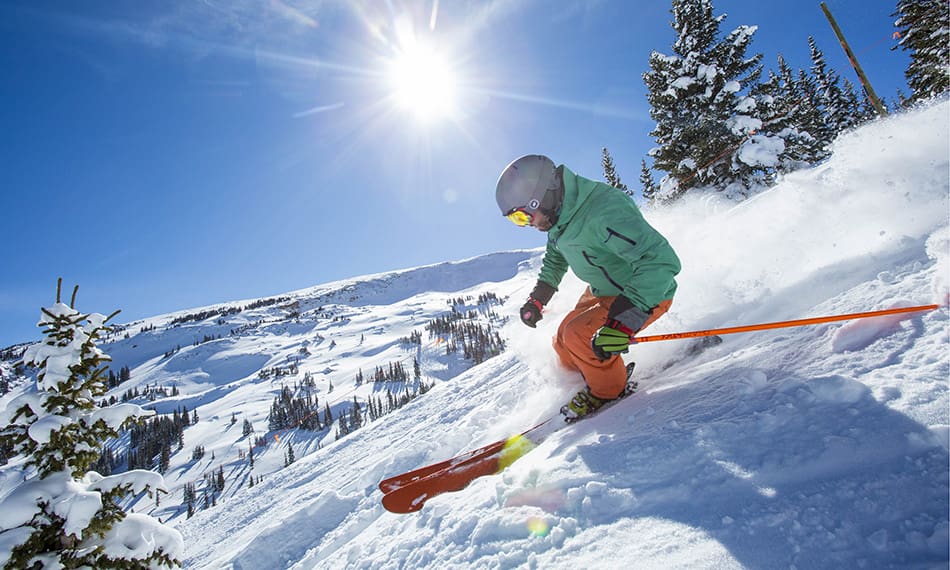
(611, 339)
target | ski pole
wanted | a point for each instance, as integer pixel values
(783, 324)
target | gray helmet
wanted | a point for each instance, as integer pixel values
(531, 182)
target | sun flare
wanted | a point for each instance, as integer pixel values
(423, 83)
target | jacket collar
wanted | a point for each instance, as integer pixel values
(572, 200)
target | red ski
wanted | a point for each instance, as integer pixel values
(455, 474)
(409, 491)
(396, 481)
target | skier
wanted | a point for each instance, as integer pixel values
(600, 234)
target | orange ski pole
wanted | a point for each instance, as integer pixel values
(783, 324)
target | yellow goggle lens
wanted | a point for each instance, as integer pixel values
(519, 218)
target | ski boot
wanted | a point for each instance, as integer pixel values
(584, 403)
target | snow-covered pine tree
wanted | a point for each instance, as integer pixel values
(63, 515)
(647, 182)
(838, 102)
(811, 116)
(924, 27)
(697, 100)
(356, 416)
(610, 172)
(866, 110)
(791, 116)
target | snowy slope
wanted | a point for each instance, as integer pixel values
(814, 447)
(823, 446)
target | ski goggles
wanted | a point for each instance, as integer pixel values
(520, 217)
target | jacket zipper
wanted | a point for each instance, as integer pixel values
(611, 232)
(602, 270)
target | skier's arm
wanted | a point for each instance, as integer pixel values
(553, 266)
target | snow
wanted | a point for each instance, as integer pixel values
(66, 497)
(814, 447)
(747, 105)
(707, 72)
(860, 334)
(41, 429)
(139, 536)
(759, 150)
(744, 124)
(682, 83)
(138, 480)
(115, 416)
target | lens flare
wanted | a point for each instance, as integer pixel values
(515, 447)
(537, 526)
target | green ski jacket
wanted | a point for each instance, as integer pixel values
(604, 239)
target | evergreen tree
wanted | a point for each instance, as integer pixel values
(610, 173)
(646, 182)
(788, 104)
(188, 497)
(164, 459)
(924, 27)
(343, 427)
(811, 115)
(837, 101)
(703, 119)
(56, 430)
(356, 417)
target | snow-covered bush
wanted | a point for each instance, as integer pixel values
(63, 515)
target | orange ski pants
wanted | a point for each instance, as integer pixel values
(606, 379)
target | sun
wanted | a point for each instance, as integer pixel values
(423, 83)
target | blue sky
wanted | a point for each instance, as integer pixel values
(172, 155)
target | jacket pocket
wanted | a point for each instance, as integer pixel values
(612, 233)
(590, 259)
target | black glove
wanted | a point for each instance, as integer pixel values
(531, 311)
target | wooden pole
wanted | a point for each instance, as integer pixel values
(875, 102)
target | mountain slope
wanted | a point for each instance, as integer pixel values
(814, 447)
(821, 446)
